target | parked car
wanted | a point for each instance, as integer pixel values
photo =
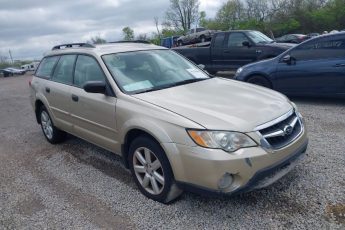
(195, 35)
(312, 35)
(292, 38)
(175, 127)
(315, 67)
(10, 71)
(233, 49)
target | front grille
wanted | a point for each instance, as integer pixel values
(283, 132)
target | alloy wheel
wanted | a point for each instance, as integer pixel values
(148, 170)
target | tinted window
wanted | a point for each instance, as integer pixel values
(46, 67)
(87, 69)
(325, 48)
(64, 69)
(236, 39)
(219, 40)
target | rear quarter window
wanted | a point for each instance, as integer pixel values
(46, 67)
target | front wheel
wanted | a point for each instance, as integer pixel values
(151, 170)
(180, 43)
(202, 39)
(260, 80)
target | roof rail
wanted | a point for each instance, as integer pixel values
(71, 45)
(133, 41)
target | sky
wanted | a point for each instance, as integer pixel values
(31, 27)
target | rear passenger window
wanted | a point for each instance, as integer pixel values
(87, 69)
(46, 67)
(64, 69)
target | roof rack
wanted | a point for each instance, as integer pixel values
(133, 41)
(71, 45)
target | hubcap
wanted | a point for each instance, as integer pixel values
(47, 125)
(148, 170)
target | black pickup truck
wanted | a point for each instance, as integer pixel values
(233, 49)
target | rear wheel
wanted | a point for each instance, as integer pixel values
(180, 43)
(260, 80)
(151, 170)
(51, 133)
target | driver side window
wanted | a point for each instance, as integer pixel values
(87, 69)
(325, 48)
(237, 39)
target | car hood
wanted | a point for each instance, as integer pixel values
(221, 104)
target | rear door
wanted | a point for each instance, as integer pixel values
(236, 54)
(58, 91)
(93, 113)
(318, 68)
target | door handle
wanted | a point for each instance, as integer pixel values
(75, 98)
(340, 65)
(47, 89)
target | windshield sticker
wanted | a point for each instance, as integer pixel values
(196, 73)
(138, 85)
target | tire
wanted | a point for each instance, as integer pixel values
(151, 170)
(260, 80)
(202, 39)
(51, 133)
(180, 43)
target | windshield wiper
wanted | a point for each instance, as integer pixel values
(184, 82)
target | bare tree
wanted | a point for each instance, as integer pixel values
(182, 14)
(156, 19)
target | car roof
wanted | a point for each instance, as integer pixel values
(107, 48)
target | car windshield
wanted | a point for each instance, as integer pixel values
(259, 37)
(150, 70)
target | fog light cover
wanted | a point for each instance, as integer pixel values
(225, 181)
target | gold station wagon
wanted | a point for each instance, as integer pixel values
(176, 127)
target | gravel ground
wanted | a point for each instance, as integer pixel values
(78, 185)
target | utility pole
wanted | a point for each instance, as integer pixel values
(9, 51)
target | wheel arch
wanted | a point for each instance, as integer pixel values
(135, 132)
(261, 75)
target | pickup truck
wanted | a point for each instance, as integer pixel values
(232, 49)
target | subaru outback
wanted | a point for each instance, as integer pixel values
(176, 128)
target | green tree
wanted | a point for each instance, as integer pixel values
(128, 34)
(98, 40)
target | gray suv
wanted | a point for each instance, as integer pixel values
(175, 127)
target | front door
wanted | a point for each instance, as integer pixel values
(93, 113)
(236, 54)
(317, 67)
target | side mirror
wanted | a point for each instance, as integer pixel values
(201, 66)
(246, 43)
(287, 59)
(95, 87)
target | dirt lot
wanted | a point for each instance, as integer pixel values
(78, 185)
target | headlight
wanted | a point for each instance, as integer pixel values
(296, 110)
(228, 141)
(239, 70)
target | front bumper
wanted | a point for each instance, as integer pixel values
(199, 170)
